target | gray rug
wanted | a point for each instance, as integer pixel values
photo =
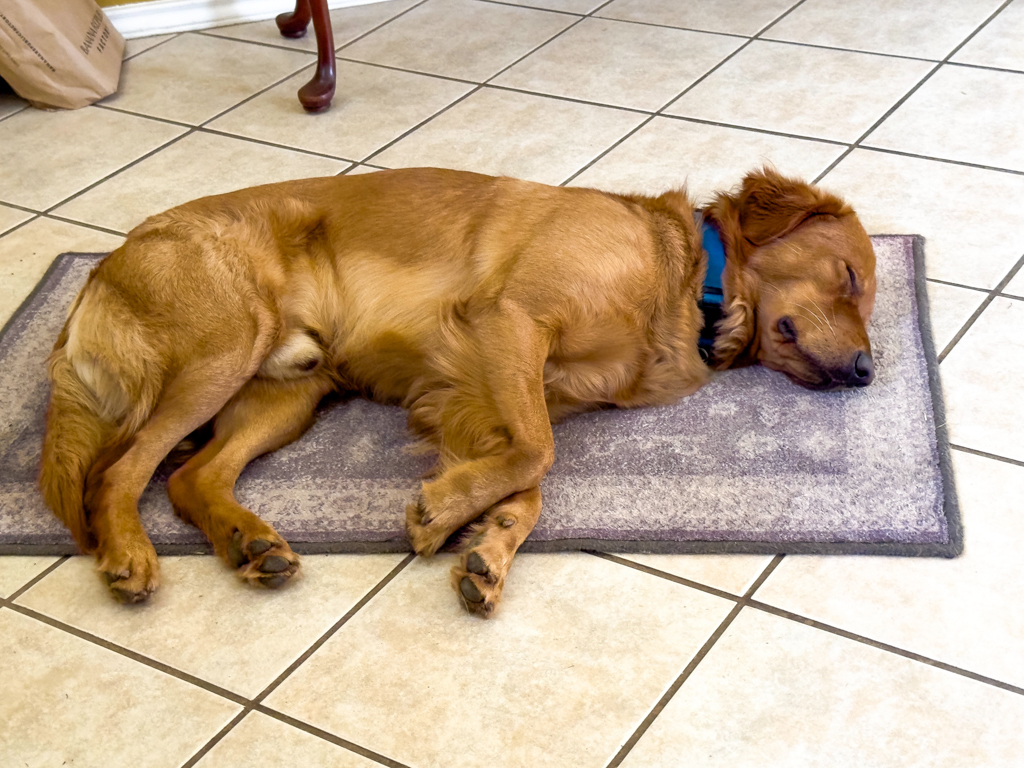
(751, 463)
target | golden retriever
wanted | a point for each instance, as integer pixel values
(488, 307)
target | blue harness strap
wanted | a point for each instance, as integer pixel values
(712, 297)
(712, 243)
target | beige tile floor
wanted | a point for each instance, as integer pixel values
(593, 661)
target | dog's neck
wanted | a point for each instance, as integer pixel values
(712, 296)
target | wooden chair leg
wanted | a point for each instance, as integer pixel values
(316, 95)
(294, 24)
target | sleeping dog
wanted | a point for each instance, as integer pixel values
(488, 307)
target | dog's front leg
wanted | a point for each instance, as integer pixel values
(479, 578)
(500, 391)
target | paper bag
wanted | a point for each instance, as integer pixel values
(59, 53)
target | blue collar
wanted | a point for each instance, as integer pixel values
(712, 298)
(712, 243)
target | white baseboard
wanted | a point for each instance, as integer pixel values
(161, 17)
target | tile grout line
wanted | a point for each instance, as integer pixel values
(988, 68)
(974, 34)
(946, 160)
(226, 134)
(112, 174)
(19, 225)
(18, 111)
(257, 94)
(264, 142)
(888, 113)
(537, 8)
(639, 23)
(312, 730)
(897, 55)
(692, 665)
(173, 36)
(395, 68)
(983, 454)
(123, 111)
(97, 227)
(195, 126)
(191, 128)
(159, 666)
(18, 206)
(570, 99)
(951, 284)
(664, 575)
(750, 129)
(981, 308)
(477, 89)
(842, 49)
(34, 580)
(677, 97)
(909, 93)
(34, 217)
(250, 704)
(783, 613)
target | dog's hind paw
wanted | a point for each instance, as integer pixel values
(131, 576)
(265, 561)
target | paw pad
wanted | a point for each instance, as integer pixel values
(258, 562)
(274, 564)
(475, 564)
(470, 591)
(239, 555)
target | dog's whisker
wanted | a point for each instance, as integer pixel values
(830, 326)
(821, 313)
(812, 317)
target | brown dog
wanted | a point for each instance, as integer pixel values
(488, 307)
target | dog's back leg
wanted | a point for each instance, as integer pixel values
(263, 416)
(116, 482)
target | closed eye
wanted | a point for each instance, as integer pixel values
(853, 279)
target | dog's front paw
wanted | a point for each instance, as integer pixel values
(478, 583)
(264, 561)
(425, 533)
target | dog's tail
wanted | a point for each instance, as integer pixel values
(94, 410)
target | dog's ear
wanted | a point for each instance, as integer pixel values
(736, 333)
(771, 205)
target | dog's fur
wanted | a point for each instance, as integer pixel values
(489, 307)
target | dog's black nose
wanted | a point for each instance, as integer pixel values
(862, 370)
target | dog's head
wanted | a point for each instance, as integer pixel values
(799, 282)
